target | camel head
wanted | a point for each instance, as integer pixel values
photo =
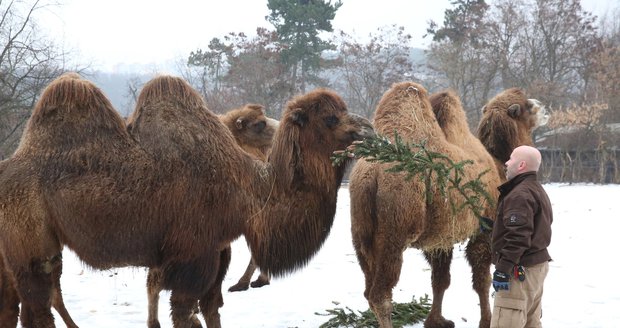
(250, 126)
(508, 121)
(312, 127)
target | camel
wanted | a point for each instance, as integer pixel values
(170, 190)
(507, 122)
(389, 214)
(253, 131)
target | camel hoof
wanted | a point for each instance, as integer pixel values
(258, 283)
(195, 322)
(153, 324)
(438, 323)
(239, 287)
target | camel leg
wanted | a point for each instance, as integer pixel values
(213, 300)
(478, 254)
(182, 312)
(363, 252)
(153, 287)
(57, 301)
(9, 301)
(244, 281)
(386, 272)
(35, 287)
(440, 280)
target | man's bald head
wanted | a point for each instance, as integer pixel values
(523, 159)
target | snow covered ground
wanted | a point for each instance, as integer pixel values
(580, 291)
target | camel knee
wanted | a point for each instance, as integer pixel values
(440, 269)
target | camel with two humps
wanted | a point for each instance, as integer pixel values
(170, 190)
(390, 213)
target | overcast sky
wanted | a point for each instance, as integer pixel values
(107, 32)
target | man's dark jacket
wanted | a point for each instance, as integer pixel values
(522, 228)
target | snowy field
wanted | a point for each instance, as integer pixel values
(580, 291)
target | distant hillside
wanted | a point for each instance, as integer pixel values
(418, 56)
(116, 87)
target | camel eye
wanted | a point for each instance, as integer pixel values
(260, 126)
(331, 121)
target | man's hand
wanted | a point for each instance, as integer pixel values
(501, 280)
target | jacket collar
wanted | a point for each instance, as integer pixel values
(507, 186)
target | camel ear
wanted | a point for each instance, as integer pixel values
(484, 109)
(514, 110)
(299, 117)
(239, 123)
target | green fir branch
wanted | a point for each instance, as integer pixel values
(417, 160)
(402, 314)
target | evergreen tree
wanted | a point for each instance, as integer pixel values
(298, 24)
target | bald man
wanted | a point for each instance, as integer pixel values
(521, 235)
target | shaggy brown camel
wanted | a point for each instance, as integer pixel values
(508, 120)
(390, 214)
(254, 132)
(169, 191)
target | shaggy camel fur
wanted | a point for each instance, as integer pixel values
(169, 191)
(254, 132)
(508, 120)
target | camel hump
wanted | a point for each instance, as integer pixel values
(71, 111)
(449, 112)
(168, 89)
(68, 96)
(172, 122)
(406, 108)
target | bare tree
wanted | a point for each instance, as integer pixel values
(28, 63)
(607, 66)
(554, 50)
(465, 52)
(366, 70)
(543, 46)
(239, 69)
